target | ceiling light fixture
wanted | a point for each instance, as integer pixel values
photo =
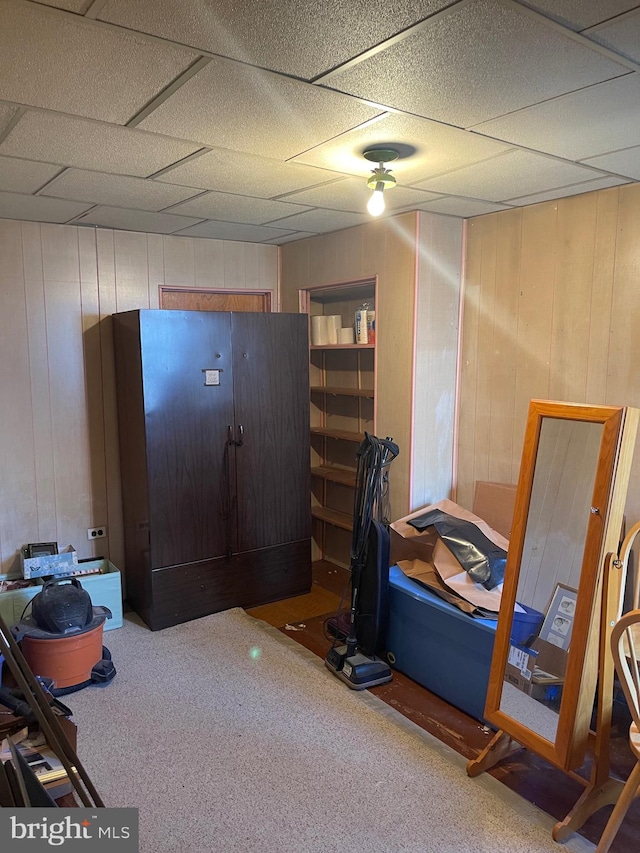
(380, 178)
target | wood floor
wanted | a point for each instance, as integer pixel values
(303, 619)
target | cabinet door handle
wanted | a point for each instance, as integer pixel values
(228, 499)
(235, 442)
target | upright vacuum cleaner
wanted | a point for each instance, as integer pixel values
(355, 658)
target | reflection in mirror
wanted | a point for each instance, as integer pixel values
(558, 518)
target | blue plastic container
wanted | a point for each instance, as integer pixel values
(526, 626)
(437, 645)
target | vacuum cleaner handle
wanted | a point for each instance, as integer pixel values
(390, 446)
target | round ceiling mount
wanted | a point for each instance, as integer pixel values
(380, 155)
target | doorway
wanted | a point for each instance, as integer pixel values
(200, 299)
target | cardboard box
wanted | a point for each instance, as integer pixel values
(533, 670)
(521, 663)
(550, 658)
(407, 543)
(494, 503)
(59, 565)
(104, 588)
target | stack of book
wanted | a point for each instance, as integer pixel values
(46, 765)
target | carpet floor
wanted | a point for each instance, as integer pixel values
(229, 736)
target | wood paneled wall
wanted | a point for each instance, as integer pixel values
(551, 311)
(436, 358)
(59, 465)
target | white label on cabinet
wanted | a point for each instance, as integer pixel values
(211, 377)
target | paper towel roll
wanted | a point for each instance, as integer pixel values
(346, 336)
(319, 330)
(334, 322)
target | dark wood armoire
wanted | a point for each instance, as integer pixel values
(213, 413)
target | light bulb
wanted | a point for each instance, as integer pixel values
(375, 205)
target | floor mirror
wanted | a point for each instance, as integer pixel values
(568, 517)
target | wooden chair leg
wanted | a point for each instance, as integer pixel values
(619, 810)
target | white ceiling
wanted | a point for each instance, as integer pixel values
(248, 120)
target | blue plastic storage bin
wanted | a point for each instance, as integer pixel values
(437, 645)
(525, 625)
(105, 590)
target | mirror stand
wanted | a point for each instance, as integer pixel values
(601, 789)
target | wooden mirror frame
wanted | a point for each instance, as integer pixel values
(603, 537)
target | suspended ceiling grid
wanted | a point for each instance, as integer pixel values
(248, 121)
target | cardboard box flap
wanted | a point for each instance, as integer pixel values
(551, 658)
(425, 574)
(458, 580)
(404, 529)
(495, 502)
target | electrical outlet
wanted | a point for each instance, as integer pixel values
(96, 532)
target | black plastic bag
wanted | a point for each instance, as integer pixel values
(481, 558)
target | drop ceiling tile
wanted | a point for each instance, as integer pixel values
(24, 176)
(319, 221)
(289, 238)
(626, 162)
(236, 208)
(302, 39)
(622, 36)
(87, 144)
(69, 64)
(513, 174)
(268, 114)
(244, 174)
(463, 207)
(408, 198)
(7, 112)
(438, 148)
(353, 194)
(69, 5)
(116, 190)
(502, 59)
(235, 231)
(578, 14)
(562, 192)
(134, 220)
(594, 121)
(38, 208)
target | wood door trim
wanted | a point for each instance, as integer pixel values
(222, 291)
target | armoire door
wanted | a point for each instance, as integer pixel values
(188, 401)
(271, 388)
